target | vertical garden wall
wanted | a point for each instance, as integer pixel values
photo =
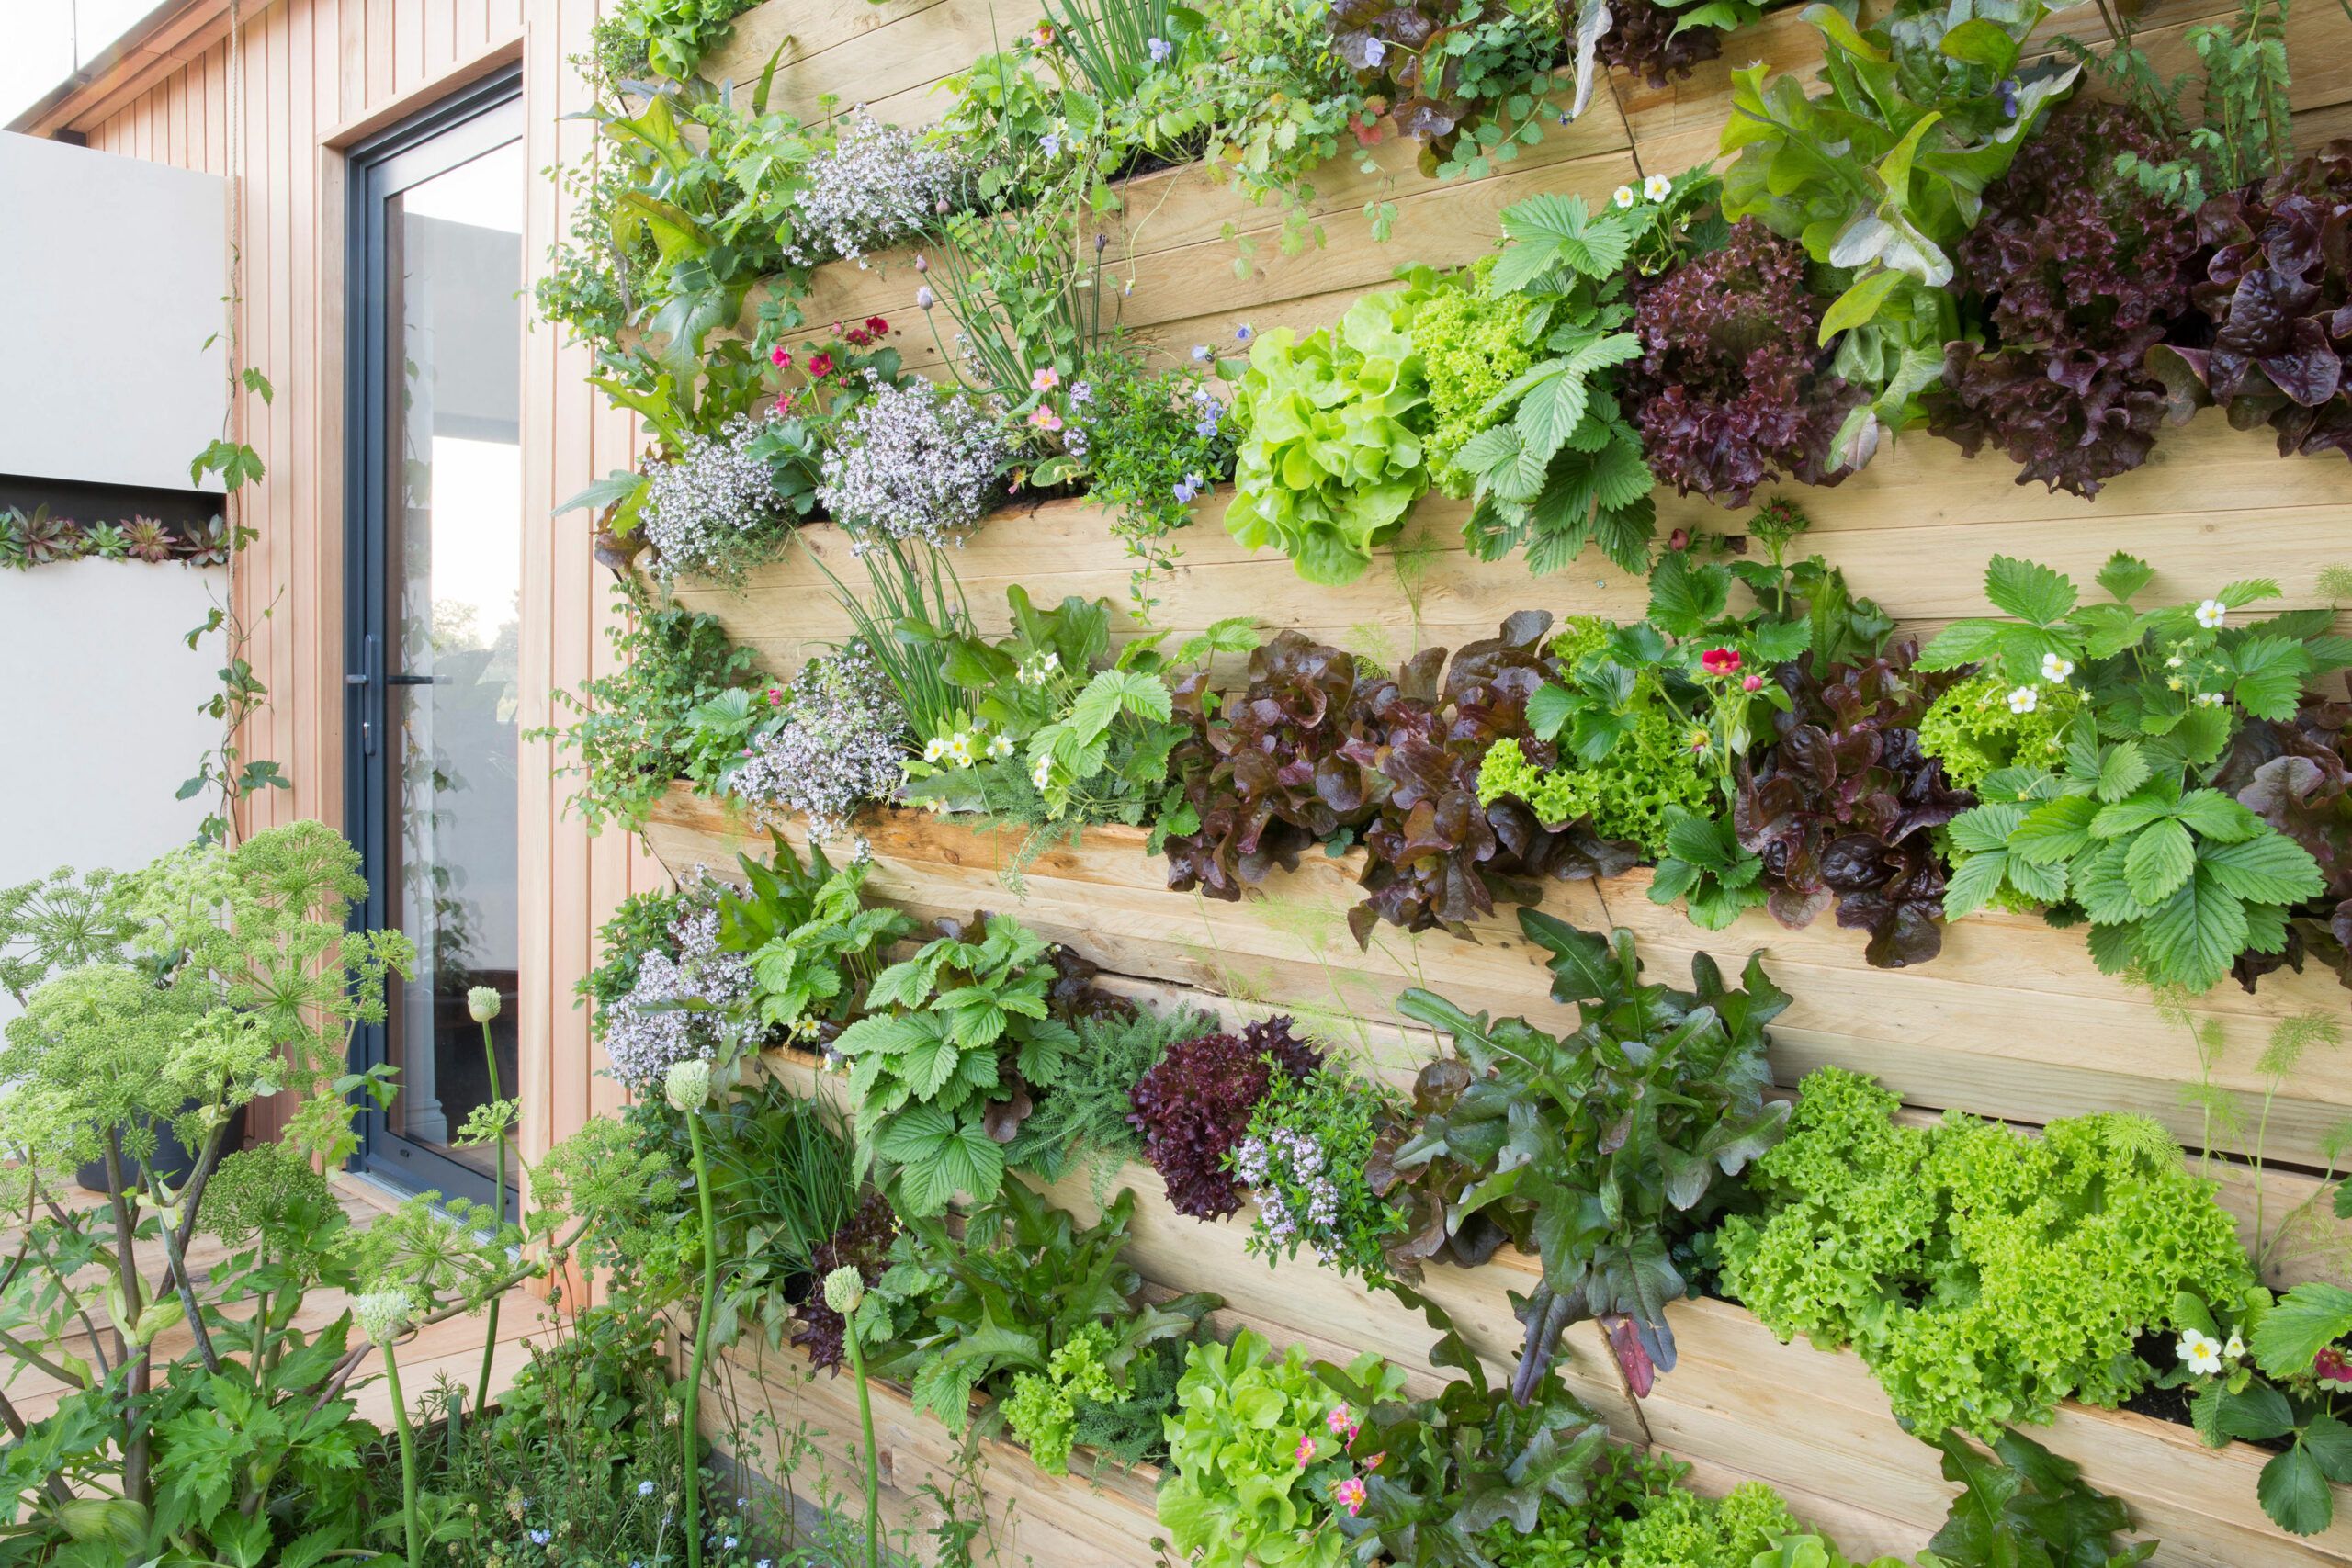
(2025, 792)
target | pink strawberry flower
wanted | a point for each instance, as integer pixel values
(2333, 1366)
(1751, 682)
(1045, 380)
(1349, 1494)
(1306, 1454)
(1339, 1423)
(1720, 661)
(1045, 418)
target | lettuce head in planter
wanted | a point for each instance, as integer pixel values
(1332, 424)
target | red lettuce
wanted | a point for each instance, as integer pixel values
(2278, 295)
(2297, 776)
(1194, 1108)
(1641, 39)
(863, 1243)
(1315, 753)
(1731, 390)
(1840, 807)
(2081, 273)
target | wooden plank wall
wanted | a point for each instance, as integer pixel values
(315, 73)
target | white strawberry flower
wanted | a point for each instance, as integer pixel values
(934, 750)
(1657, 187)
(2208, 699)
(959, 747)
(2235, 1348)
(1000, 746)
(1624, 197)
(2199, 1352)
(2211, 614)
(2024, 699)
(1043, 774)
(2055, 668)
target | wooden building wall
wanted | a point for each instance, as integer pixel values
(318, 75)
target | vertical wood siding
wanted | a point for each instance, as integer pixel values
(309, 67)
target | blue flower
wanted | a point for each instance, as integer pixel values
(1206, 429)
(645, 1489)
(1244, 333)
(1186, 490)
(540, 1537)
(1051, 142)
(1201, 354)
(1161, 50)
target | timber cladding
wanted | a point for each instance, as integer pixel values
(2012, 1021)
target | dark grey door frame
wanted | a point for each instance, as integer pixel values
(461, 127)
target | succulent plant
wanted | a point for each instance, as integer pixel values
(105, 541)
(146, 539)
(50, 539)
(207, 544)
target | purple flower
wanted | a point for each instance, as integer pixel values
(1244, 333)
(1206, 429)
(1081, 392)
(1201, 354)
(1186, 488)
(1051, 142)
(1161, 50)
(924, 298)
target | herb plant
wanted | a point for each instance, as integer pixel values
(2282, 1375)
(1303, 1161)
(809, 939)
(2175, 877)
(1597, 1151)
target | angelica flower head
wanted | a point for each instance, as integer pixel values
(381, 1314)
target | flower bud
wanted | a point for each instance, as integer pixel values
(482, 1003)
(687, 1085)
(381, 1314)
(845, 1288)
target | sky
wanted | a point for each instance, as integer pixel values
(42, 42)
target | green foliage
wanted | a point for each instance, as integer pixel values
(1984, 1276)
(1252, 1456)
(1682, 1530)
(1329, 456)
(1154, 441)
(782, 1184)
(812, 941)
(667, 36)
(2024, 1505)
(1025, 1293)
(1621, 1485)
(1552, 463)
(1473, 346)
(2245, 129)
(957, 1039)
(1085, 1119)
(629, 733)
(1597, 1151)
(1974, 731)
(1303, 1160)
(2175, 878)
(2278, 1380)
(1881, 172)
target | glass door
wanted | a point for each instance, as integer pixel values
(434, 569)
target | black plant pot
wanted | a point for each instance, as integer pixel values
(172, 1162)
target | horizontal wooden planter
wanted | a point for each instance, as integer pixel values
(2012, 1021)
(1739, 1405)
(812, 1436)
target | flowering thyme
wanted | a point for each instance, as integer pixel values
(714, 510)
(877, 186)
(650, 1030)
(913, 463)
(840, 745)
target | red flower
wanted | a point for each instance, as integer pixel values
(1679, 540)
(821, 365)
(876, 325)
(2333, 1367)
(858, 337)
(783, 358)
(1720, 661)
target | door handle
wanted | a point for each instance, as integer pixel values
(416, 680)
(361, 682)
